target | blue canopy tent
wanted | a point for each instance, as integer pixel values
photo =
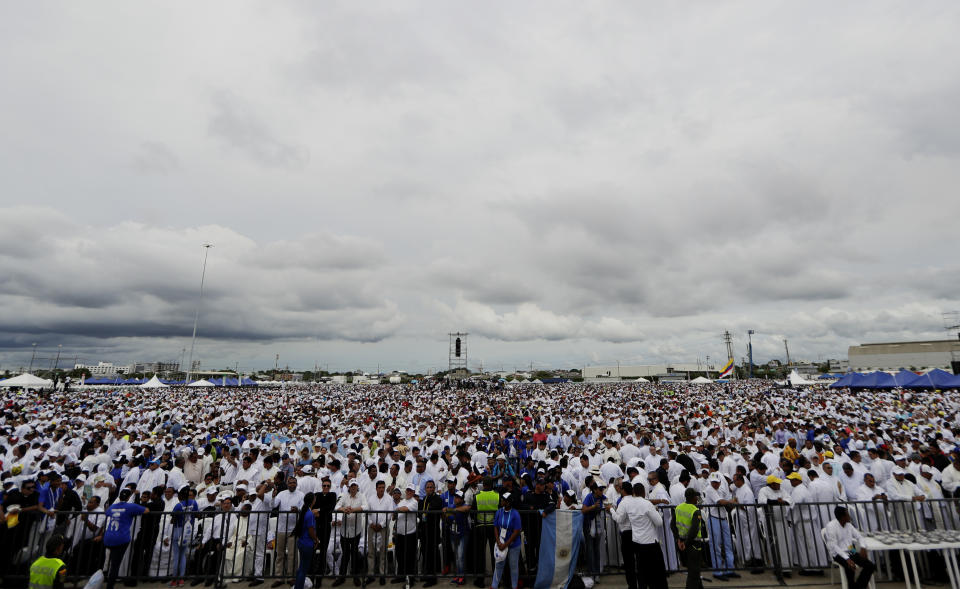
(877, 380)
(904, 377)
(935, 379)
(850, 380)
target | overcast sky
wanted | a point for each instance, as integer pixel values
(571, 183)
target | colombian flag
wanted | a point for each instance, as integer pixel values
(727, 370)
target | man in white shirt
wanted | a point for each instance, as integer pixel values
(288, 502)
(717, 494)
(176, 478)
(843, 541)
(406, 543)
(774, 501)
(248, 472)
(950, 479)
(153, 477)
(748, 541)
(645, 521)
(380, 506)
(258, 527)
(900, 488)
(351, 526)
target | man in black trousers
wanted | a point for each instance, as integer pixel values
(431, 506)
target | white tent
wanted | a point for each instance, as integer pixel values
(700, 380)
(154, 383)
(201, 383)
(538, 381)
(795, 379)
(641, 379)
(26, 380)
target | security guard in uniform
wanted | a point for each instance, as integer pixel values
(486, 502)
(691, 534)
(48, 571)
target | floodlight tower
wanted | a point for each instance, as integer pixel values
(457, 359)
(196, 318)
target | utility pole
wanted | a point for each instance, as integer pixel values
(728, 340)
(33, 357)
(787, 348)
(196, 318)
(951, 323)
(56, 363)
(750, 333)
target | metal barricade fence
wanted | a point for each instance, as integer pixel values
(214, 547)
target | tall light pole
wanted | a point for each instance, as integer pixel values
(196, 318)
(32, 358)
(750, 333)
(56, 363)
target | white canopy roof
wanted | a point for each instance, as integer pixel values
(795, 379)
(201, 383)
(154, 383)
(26, 380)
(701, 380)
(641, 379)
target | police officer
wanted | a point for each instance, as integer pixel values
(48, 571)
(486, 503)
(690, 532)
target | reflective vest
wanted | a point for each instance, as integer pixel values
(487, 504)
(684, 517)
(43, 572)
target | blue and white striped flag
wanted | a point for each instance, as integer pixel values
(560, 539)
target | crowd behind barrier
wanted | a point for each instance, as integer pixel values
(227, 545)
(198, 486)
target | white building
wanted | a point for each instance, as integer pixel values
(839, 365)
(924, 355)
(648, 371)
(103, 369)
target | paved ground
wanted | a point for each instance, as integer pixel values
(616, 581)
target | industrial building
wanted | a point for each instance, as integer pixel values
(921, 356)
(647, 371)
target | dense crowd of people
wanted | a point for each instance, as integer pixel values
(372, 483)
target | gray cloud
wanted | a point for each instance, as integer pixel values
(237, 127)
(571, 183)
(131, 281)
(154, 157)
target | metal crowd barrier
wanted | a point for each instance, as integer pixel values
(217, 547)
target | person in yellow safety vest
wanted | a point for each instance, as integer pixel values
(48, 571)
(486, 502)
(690, 531)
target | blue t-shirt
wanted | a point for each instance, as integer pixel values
(457, 523)
(510, 521)
(309, 521)
(179, 519)
(119, 519)
(588, 501)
